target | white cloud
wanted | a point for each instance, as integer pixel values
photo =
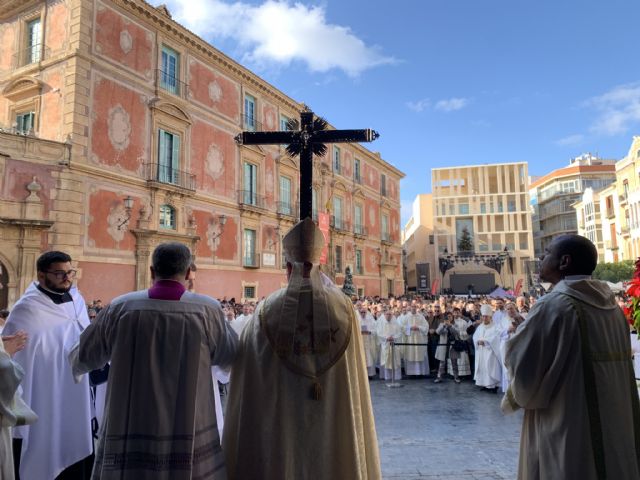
(451, 104)
(445, 105)
(278, 32)
(570, 140)
(420, 105)
(618, 109)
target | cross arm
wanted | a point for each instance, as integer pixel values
(266, 138)
(345, 136)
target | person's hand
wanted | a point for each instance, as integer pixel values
(415, 328)
(432, 331)
(481, 343)
(512, 328)
(15, 343)
(390, 339)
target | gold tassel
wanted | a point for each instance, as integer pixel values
(316, 391)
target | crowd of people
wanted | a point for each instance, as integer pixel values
(459, 336)
(299, 403)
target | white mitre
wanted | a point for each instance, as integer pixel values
(486, 310)
(303, 243)
(309, 323)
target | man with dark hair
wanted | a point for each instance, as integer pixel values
(570, 369)
(53, 313)
(159, 419)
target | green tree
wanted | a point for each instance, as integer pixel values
(615, 272)
(465, 243)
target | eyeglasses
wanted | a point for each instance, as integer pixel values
(61, 274)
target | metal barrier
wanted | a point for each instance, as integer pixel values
(395, 384)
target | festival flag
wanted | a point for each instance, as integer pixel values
(323, 225)
(434, 286)
(518, 287)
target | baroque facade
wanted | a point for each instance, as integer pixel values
(118, 129)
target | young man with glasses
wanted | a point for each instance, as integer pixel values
(53, 314)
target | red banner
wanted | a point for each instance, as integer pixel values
(434, 286)
(518, 287)
(323, 225)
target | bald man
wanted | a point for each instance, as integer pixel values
(570, 368)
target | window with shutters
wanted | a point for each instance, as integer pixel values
(167, 218)
(359, 268)
(284, 206)
(249, 112)
(336, 160)
(358, 225)
(33, 50)
(357, 171)
(249, 257)
(25, 123)
(314, 205)
(168, 157)
(170, 70)
(385, 228)
(338, 259)
(250, 184)
(337, 212)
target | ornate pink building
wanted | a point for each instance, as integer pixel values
(118, 133)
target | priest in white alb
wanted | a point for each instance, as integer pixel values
(299, 406)
(53, 313)
(416, 330)
(389, 333)
(486, 339)
(369, 339)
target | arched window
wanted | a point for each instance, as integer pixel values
(167, 217)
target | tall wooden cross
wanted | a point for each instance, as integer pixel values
(310, 139)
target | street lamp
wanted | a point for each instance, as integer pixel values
(222, 220)
(128, 207)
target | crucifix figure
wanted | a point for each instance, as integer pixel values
(310, 139)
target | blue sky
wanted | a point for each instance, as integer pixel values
(446, 82)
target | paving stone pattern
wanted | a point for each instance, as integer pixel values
(444, 431)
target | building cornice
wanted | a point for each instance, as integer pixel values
(573, 171)
(151, 14)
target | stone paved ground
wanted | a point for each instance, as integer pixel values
(444, 431)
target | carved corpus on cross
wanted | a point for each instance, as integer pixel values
(310, 139)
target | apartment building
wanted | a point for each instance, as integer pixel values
(589, 219)
(554, 194)
(482, 226)
(618, 218)
(118, 129)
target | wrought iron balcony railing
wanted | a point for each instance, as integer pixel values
(359, 229)
(33, 54)
(287, 208)
(251, 198)
(338, 223)
(172, 84)
(251, 260)
(155, 172)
